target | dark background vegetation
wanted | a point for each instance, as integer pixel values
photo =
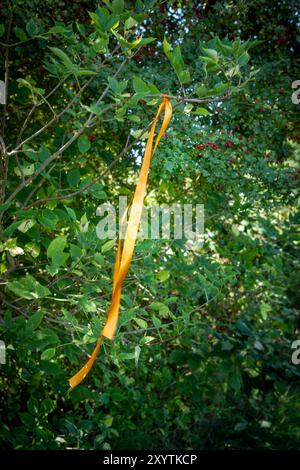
(202, 357)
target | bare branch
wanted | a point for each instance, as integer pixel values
(58, 116)
(88, 186)
(69, 142)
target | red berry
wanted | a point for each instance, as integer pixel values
(214, 146)
(92, 138)
(166, 135)
(262, 110)
(229, 144)
(200, 146)
(200, 155)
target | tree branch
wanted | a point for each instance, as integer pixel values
(69, 142)
(58, 116)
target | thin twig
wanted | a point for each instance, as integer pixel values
(69, 142)
(70, 104)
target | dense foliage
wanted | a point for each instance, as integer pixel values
(202, 357)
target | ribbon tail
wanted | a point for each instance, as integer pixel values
(82, 373)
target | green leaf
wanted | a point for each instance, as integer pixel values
(27, 419)
(211, 53)
(83, 143)
(5, 206)
(35, 320)
(134, 118)
(117, 87)
(99, 259)
(79, 72)
(184, 76)
(203, 92)
(20, 34)
(220, 88)
(162, 276)
(140, 86)
(243, 328)
(108, 420)
(225, 49)
(71, 213)
(233, 71)
(117, 6)
(33, 406)
(48, 220)
(11, 228)
(177, 62)
(28, 288)
(26, 225)
(33, 249)
(264, 310)
(44, 153)
(32, 28)
(107, 246)
(259, 346)
(56, 253)
(57, 245)
(63, 57)
(130, 23)
(73, 177)
(202, 112)
(145, 41)
(235, 380)
(27, 169)
(2, 30)
(48, 354)
(161, 308)
(97, 191)
(166, 46)
(47, 406)
(142, 323)
(103, 20)
(156, 321)
(76, 252)
(243, 59)
(58, 30)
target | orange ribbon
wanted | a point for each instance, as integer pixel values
(124, 256)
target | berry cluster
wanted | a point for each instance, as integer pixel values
(241, 145)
